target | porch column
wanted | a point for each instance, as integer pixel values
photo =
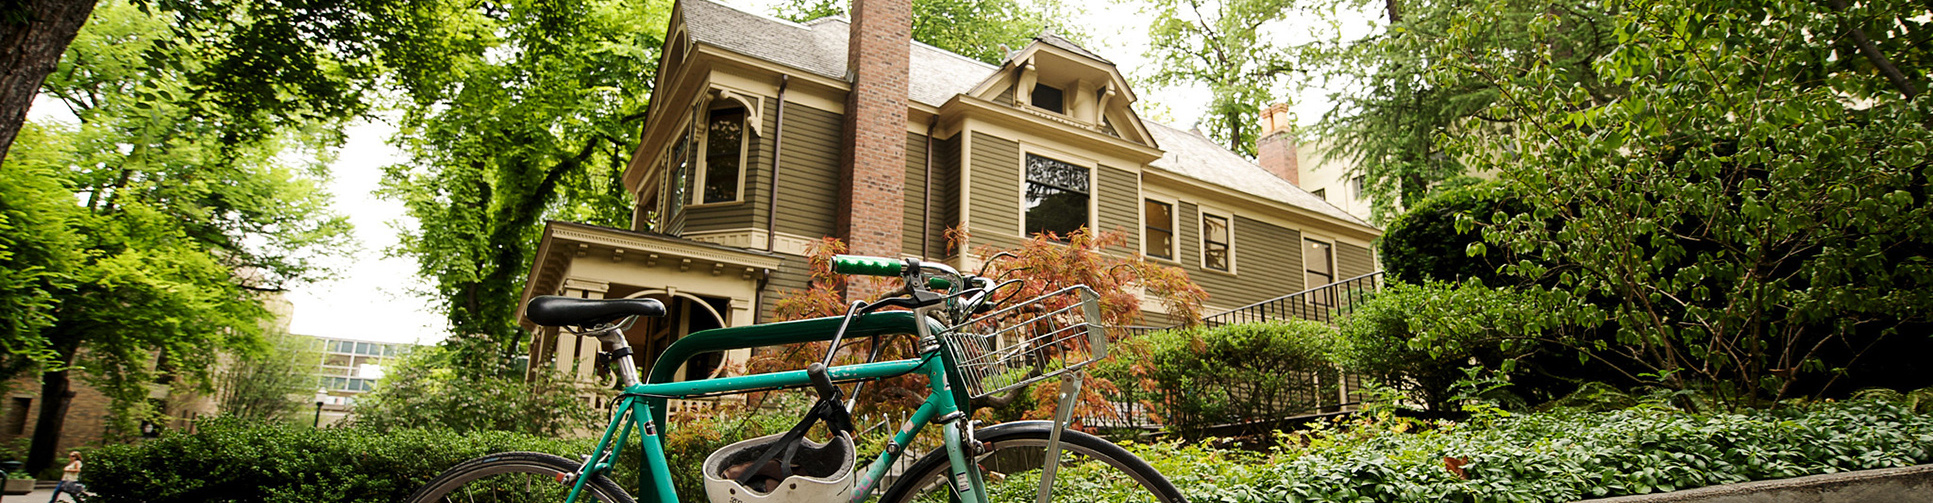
(575, 356)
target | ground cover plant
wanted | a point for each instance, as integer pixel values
(1562, 455)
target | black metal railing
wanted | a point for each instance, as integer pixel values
(1327, 303)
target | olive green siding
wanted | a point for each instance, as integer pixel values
(996, 190)
(916, 205)
(809, 172)
(1353, 261)
(946, 194)
(1268, 260)
(748, 212)
(793, 275)
(1271, 259)
(1119, 201)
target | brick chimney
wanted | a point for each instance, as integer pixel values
(1275, 147)
(872, 190)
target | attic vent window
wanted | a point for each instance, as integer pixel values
(1047, 97)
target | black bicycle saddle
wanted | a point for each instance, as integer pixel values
(553, 310)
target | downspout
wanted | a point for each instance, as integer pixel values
(926, 200)
(772, 198)
(772, 202)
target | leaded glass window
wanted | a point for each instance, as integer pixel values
(1057, 195)
(724, 145)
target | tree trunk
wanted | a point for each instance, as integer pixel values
(56, 393)
(33, 34)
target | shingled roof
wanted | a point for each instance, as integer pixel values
(1192, 155)
(1069, 46)
(819, 46)
(937, 75)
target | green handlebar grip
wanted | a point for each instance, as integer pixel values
(867, 266)
(939, 283)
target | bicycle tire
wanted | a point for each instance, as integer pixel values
(1091, 469)
(521, 477)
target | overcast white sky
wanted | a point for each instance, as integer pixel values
(380, 299)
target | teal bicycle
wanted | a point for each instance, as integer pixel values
(970, 345)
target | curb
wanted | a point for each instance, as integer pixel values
(1912, 484)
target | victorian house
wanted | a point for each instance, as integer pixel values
(765, 135)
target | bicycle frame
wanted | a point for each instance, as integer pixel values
(641, 405)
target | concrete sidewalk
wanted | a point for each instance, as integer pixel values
(38, 496)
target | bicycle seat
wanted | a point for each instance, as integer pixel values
(553, 310)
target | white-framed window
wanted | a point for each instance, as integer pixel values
(722, 174)
(1319, 263)
(1217, 242)
(1056, 196)
(1158, 229)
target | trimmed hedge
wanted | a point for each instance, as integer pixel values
(1558, 456)
(230, 460)
(233, 460)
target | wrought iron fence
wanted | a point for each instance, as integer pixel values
(1325, 304)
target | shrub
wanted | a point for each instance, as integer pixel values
(1231, 373)
(234, 460)
(228, 459)
(1424, 244)
(429, 387)
(1559, 456)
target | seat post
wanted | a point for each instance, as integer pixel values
(615, 345)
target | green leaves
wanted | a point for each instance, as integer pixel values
(1226, 46)
(1554, 456)
(517, 117)
(1736, 197)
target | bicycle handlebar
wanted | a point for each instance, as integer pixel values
(868, 266)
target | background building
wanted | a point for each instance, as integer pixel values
(347, 368)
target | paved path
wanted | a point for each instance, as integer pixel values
(38, 496)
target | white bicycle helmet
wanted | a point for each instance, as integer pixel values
(815, 471)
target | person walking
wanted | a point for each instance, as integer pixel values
(70, 478)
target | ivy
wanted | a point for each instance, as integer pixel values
(1554, 456)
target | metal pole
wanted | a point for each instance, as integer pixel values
(318, 415)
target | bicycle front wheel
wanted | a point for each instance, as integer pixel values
(1091, 469)
(516, 477)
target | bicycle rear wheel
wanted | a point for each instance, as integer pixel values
(1091, 469)
(515, 477)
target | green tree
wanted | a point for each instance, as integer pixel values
(1227, 46)
(1756, 200)
(531, 114)
(37, 251)
(181, 221)
(269, 381)
(985, 30)
(1399, 103)
(436, 387)
(264, 65)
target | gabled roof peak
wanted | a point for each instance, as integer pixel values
(1049, 38)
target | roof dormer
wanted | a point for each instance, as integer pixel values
(1058, 80)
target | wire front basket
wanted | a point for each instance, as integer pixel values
(1029, 341)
